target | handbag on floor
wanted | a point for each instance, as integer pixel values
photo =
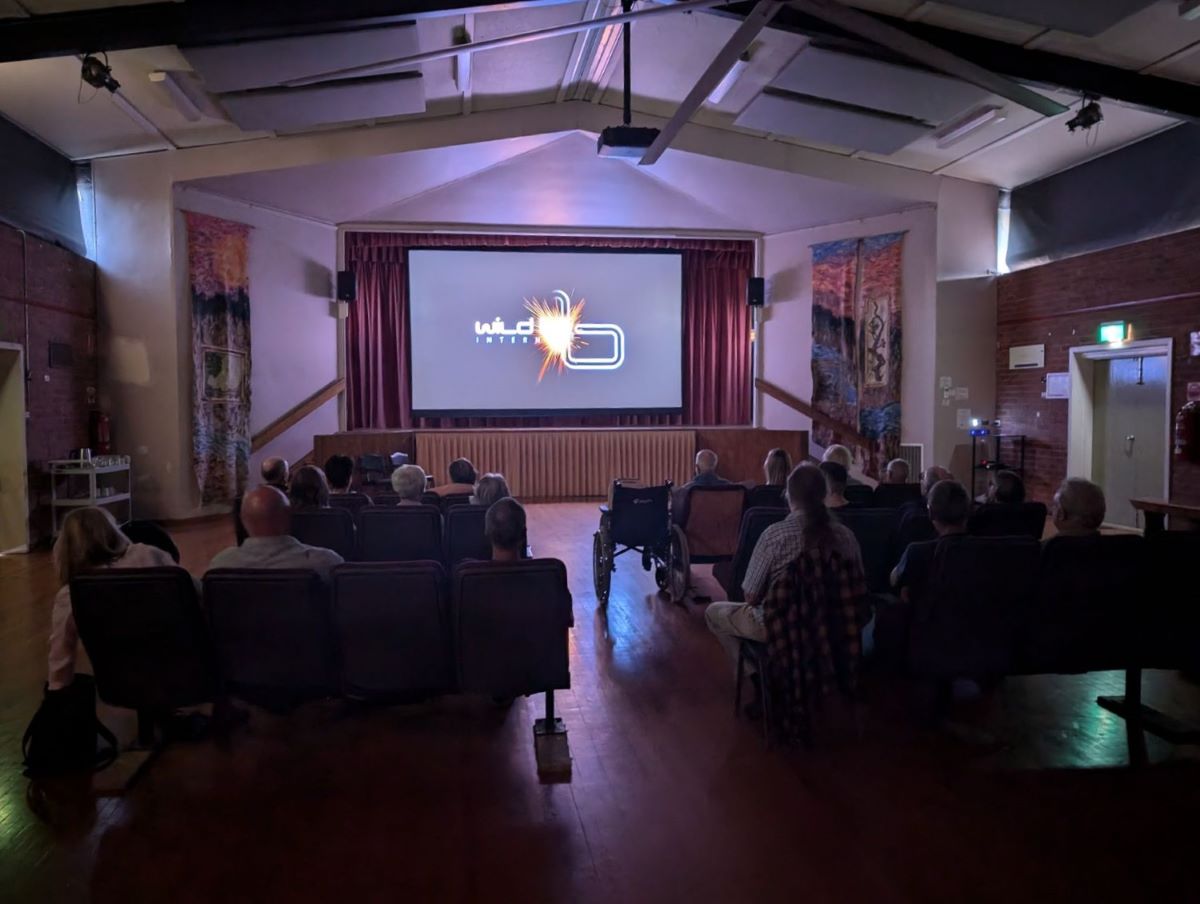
(65, 735)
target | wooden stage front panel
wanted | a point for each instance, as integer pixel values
(550, 463)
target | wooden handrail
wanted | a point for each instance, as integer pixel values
(841, 432)
(296, 414)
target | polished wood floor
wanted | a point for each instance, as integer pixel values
(1024, 798)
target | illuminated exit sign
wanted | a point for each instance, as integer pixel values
(1114, 331)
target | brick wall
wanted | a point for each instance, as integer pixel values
(48, 294)
(1153, 285)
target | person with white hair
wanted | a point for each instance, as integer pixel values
(408, 481)
(896, 471)
(839, 454)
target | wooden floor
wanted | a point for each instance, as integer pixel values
(671, 799)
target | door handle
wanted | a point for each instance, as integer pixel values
(1129, 444)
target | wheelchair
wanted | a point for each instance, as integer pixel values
(638, 519)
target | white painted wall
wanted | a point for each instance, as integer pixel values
(293, 322)
(787, 330)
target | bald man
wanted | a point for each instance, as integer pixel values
(275, 472)
(1079, 508)
(706, 476)
(267, 515)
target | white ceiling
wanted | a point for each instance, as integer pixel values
(669, 54)
(553, 180)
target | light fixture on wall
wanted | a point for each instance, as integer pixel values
(954, 132)
(1114, 332)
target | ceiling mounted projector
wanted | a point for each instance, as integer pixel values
(625, 141)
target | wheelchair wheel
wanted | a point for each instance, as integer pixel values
(601, 567)
(679, 566)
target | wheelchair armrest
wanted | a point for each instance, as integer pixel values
(604, 509)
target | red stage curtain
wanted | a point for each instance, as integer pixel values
(716, 330)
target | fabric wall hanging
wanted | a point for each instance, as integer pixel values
(218, 252)
(856, 341)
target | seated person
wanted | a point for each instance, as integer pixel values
(949, 506)
(1078, 509)
(835, 479)
(840, 454)
(275, 472)
(309, 490)
(339, 471)
(491, 488)
(706, 476)
(931, 476)
(89, 539)
(504, 527)
(807, 523)
(895, 472)
(267, 516)
(776, 468)
(462, 479)
(408, 481)
(1006, 488)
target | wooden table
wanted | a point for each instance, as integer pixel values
(1157, 510)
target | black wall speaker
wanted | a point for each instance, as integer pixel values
(756, 291)
(346, 285)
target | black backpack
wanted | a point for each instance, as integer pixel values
(64, 735)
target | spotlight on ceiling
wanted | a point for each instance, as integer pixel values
(1089, 115)
(98, 74)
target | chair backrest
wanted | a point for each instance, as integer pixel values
(1090, 595)
(393, 629)
(861, 495)
(430, 498)
(331, 528)
(273, 632)
(714, 518)
(754, 522)
(151, 533)
(400, 533)
(510, 626)
(975, 606)
(386, 499)
(765, 497)
(464, 534)
(640, 516)
(146, 636)
(351, 502)
(874, 528)
(451, 500)
(1027, 519)
(894, 495)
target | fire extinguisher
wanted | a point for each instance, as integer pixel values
(101, 436)
(1187, 432)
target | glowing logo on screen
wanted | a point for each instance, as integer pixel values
(555, 326)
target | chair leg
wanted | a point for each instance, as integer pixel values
(1134, 734)
(551, 749)
(765, 691)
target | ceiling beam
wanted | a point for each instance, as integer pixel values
(217, 22)
(755, 22)
(1033, 67)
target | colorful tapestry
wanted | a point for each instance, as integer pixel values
(856, 341)
(219, 278)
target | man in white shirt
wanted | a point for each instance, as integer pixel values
(267, 515)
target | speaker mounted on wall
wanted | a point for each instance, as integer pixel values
(347, 285)
(756, 291)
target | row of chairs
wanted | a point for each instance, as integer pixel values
(886, 495)
(399, 533)
(356, 502)
(279, 637)
(883, 534)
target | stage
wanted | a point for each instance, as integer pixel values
(574, 463)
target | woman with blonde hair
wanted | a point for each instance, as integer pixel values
(90, 539)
